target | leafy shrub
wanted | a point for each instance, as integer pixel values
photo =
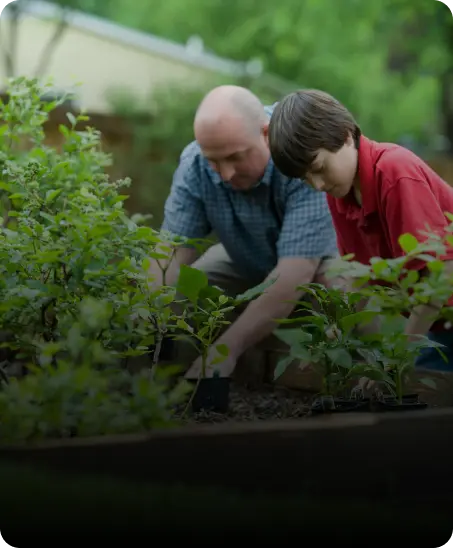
(75, 301)
(74, 398)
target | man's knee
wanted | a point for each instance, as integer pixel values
(220, 270)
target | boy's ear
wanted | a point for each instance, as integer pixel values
(350, 140)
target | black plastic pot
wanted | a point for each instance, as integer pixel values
(410, 402)
(329, 405)
(213, 395)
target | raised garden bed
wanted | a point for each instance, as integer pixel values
(323, 445)
(117, 507)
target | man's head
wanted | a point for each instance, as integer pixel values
(314, 137)
(230, 127)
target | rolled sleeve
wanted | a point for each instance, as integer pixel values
(184, 212)
(307, 228)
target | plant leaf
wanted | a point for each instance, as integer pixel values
(190, 282)
(340, 357)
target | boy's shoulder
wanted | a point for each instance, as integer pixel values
(393, 162)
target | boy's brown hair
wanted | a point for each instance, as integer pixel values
(304, 122)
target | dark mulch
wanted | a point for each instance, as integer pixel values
(267, 403)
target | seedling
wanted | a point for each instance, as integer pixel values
(396, 354)
(326, 339)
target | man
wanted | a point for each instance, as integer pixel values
(269, 226)
(376, 192)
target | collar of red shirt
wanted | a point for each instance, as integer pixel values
(368, 188)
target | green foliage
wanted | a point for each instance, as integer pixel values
(75, 298)
(386, 54)
(71, 237)
(71, 397)
(326, 337)
(208, 312)
(393, 285)
(392, 289)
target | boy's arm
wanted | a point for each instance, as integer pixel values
(411, 207)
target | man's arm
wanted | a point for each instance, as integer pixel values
(184, 215)
(277, 302)
(410, 207)
(307, 235)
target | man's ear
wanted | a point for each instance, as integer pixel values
(265, 133)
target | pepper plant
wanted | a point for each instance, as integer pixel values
(325, 337)
(207, 312)
(392, 288)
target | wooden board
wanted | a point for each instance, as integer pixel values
(378, 456)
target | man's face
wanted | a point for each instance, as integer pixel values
(334, 172)
(238, 155)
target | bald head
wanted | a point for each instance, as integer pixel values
(229, 126)
(226, 104)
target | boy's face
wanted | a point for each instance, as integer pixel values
(334, 172)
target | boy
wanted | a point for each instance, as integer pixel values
(376, 191)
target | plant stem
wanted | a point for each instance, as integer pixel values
(189, 403)
(203, 362)
(201, 375)
(399, 388)
(157, 348)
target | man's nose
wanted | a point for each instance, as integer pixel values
(226, 172)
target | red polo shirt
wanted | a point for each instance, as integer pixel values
(400, 194)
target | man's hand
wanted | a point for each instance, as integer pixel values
(225, 368)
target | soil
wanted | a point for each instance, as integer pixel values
(267, 403)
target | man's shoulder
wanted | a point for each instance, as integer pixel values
(191, 154)
(193, 166)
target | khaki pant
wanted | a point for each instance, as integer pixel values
(256, 364)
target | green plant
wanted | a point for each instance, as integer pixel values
(394, 354)
(206, 312)
(70, 396)
(392, 289)
(71, 237)
(75, 301)
(326, 338)
(392, 285)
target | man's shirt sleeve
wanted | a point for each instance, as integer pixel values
(307, 228)
(185, 212)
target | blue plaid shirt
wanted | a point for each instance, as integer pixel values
(280, 217)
